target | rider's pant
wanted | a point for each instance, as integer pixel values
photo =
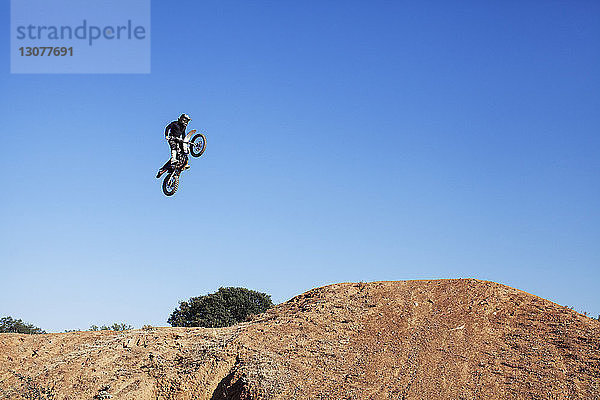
(175, 149)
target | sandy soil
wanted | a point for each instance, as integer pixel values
(437, 339)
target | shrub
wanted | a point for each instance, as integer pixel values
(11, 325)
(114, 327)
(226, 307)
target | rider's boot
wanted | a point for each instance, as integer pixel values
(160, 172)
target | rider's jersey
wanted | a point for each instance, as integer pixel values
(175, 129)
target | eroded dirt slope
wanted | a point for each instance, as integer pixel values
(439, 339)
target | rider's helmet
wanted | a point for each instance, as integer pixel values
(184, 119)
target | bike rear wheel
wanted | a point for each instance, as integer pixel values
(170, 184)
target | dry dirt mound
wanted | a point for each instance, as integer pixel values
(439, 339)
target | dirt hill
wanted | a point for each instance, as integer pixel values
(438, 339)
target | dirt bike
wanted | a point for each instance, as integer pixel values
(194, 144)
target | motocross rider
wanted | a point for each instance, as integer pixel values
(174, 133)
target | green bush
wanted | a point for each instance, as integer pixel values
(11, 325)
(226, 307)
(114, 327)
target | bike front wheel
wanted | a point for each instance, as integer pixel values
(198, 145)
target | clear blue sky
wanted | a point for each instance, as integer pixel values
(347, 141)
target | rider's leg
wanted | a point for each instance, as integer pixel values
(184, 158)
(174, 145)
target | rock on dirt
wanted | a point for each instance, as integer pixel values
(436, 339)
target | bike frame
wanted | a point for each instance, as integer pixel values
(186, 141)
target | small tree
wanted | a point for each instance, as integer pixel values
(226, 307)
(11, 325)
